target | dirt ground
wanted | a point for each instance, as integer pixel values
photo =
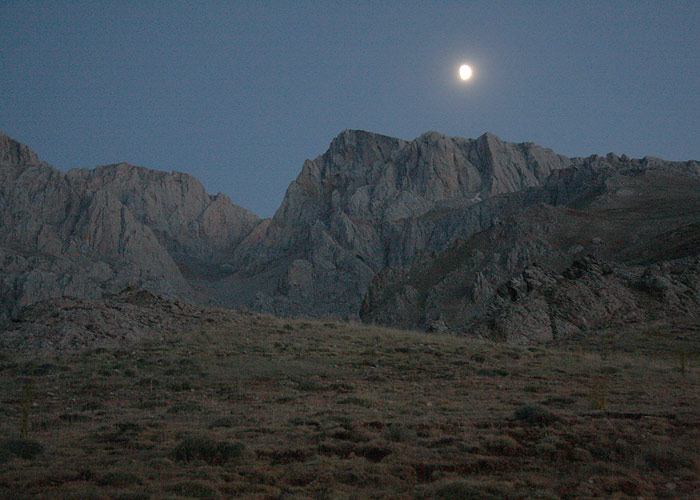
(256, 407)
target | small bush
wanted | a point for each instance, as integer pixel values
(133, 496)
(533, 414)
(180, 386)
(194, 489)
(478, 357)
(493, 372)
(119, 479)
(665, 458)
(187, 407)
(502, 445)
(599, 393)
(148, 382)
(223, 422)
(398, 433)
(373, 453)
(462, 490)
(22, 448)
(207, 450)
(80, 490)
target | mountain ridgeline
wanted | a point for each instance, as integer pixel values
(477, 236)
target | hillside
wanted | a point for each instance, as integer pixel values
(626, 252)
(256, 407)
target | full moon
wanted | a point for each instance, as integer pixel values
(465, 72)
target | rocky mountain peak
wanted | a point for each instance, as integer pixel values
(13, 153)
(371, 205)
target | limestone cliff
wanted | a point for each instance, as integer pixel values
(423, 233)
(551, 272)
(86, 233)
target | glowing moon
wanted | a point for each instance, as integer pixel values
(465, 72)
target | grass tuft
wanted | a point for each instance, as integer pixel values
(207, 450)
(21, 448)
(535, 415)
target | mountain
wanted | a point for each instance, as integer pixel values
(626, 250)
(372, 201)
(439, 233)
(88, 233)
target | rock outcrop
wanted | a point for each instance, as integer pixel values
(423, 234)
(87, 233)
(71, 324)
(589, 296)
(551, 272)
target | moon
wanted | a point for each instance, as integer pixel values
(465, 72)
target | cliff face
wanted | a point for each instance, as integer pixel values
(186, 220)
(425, 233)
(372, 201)
(624, 251)
(86, 233)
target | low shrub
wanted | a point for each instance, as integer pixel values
(208, 450)
(534, 414)
(493, 372)
(398, 433)
(502, 445)
(133, 496)
(666, 458)
(22, 448)
(461, 490)
(194, 489)
(226, 422)
(119, 479)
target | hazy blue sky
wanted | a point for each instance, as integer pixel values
(239, 94)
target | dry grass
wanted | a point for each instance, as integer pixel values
(264, 408)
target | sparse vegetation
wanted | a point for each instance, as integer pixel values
(682, 358)
(21, 448)
(534, 414)
(208, 450)
(250, 409)
(599, 393)
(667, 457)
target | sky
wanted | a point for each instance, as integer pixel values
(240, 93)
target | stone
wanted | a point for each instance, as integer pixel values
(474, 236)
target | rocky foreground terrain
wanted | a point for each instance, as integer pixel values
(113, 321)
(479, 236)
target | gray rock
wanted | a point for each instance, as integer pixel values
(478, 235)
(87, 233)
(71, 324)
(372, 201)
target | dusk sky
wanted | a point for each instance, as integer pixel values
(239, 94)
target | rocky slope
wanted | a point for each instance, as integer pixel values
(87, 233)
(437, 226)
(372, 201)
(552, 272)
(72, 324)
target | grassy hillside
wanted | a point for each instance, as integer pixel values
(257, 407)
